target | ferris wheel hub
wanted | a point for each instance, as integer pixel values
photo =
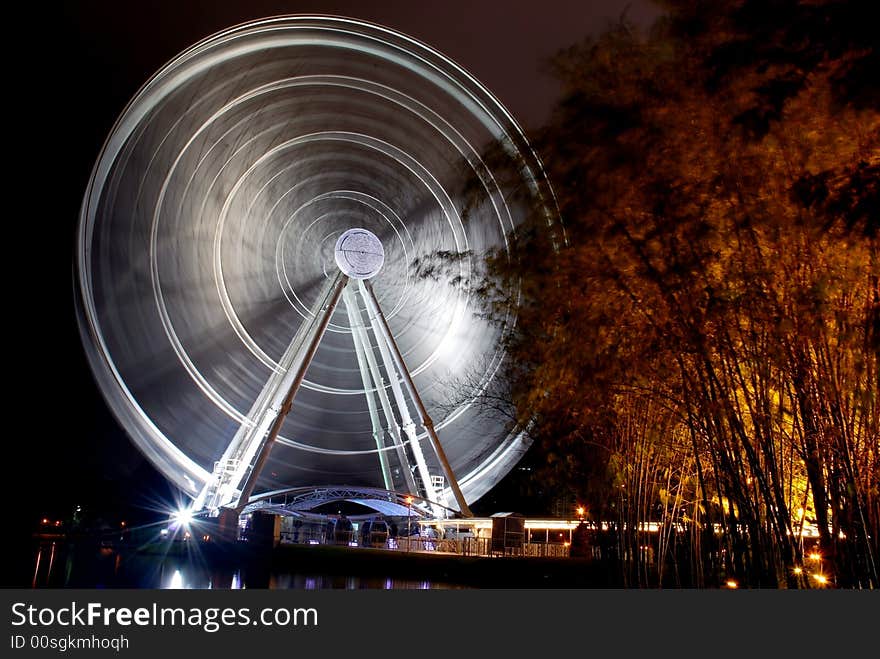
(359, 254)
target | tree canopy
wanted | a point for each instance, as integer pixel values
(703, 350)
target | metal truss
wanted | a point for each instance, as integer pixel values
(235, 474)
(302, 499)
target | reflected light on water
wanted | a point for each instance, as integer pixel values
(59, 565)
(37, 568)
(51, 557)
(176, 582)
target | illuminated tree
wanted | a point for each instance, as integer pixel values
(704, 349)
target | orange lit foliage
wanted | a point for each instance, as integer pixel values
(705, 349)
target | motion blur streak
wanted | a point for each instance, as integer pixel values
(208, 227)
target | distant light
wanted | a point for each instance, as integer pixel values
(163, 532)
(798, 570)
(122, 523)
(733, 585)
(821, 578)
(183, 516)
(409, 501)
(815, 556)
(45, 520)
(581, 511)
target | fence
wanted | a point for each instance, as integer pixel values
(546, 550)
(461, 546)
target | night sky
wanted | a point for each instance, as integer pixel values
(73, 73)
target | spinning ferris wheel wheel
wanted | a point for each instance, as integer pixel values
(246, 293)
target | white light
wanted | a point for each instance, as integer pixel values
(183, 517)
(176, 582)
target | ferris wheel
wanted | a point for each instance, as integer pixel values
(246, 288)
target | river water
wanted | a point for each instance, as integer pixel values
(63, 565)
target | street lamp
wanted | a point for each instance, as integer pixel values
(409, 501)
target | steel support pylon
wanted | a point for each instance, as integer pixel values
(236, 473)
(377, 319)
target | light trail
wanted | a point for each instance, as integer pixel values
(208, 226)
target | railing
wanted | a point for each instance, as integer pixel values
(546, 550)
(316, 536)
(415, 543)
(463, 546)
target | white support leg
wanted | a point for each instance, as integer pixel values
(393, 428)
(382, 330)
(409, 428)
(233, 466)
(354, 321)
(266, 445)
(236, 472)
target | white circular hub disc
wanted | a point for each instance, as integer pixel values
(359, 254)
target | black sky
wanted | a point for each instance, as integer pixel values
(72, 73)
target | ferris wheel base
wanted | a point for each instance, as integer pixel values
(235, 475)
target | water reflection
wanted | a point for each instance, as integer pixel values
(176, 581)
(334, 582)
(60, 565)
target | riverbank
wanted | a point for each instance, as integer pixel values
(471, 571)
(234, 565)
